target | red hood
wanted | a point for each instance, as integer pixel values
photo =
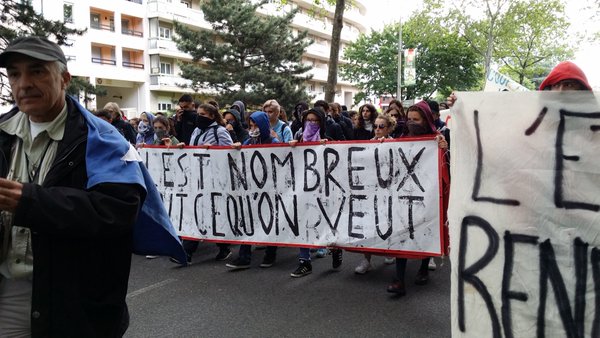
(565, 70)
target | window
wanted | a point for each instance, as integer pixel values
(311, 87)
(164, 32)
(187, 3)
(162, 106)
(68, 12)
(95, 20)
(166, 68)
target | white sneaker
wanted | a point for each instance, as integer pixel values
(389, 260)
(432, 265)
(363, 267)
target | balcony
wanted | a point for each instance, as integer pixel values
(166, 47)
(177, 12)
(133, 65)
(102, 61)
(136, 1)
(169, 80)
(96, 25)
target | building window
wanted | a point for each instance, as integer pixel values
(166, 68)
(311, 87)
(68, 12)
(164, 32)
(187, 3)
(162, 106)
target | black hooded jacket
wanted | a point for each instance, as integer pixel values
(297, 113)
(322, 124)
(238, 134)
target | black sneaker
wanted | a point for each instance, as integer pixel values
(223, 254)
(238, 264)
(336, 262)
(268, 261)
(304, 268)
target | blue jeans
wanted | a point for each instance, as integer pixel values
(304, 254)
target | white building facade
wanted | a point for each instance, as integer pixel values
(129, 50)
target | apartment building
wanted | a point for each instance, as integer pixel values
(129, 50)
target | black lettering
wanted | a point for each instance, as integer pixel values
(202, 231)
(183, 171)
(237, 175)
(477, 184)
(351, 169)
(352, 214)
(288, 159)
(385, 183)
(410, 169)
(249, 225)
(329, 167)
(559, 200)
(233, 224)
(507, 293)
(390, 229)
(411, 225)
(267, 228)
(468, 275)
(201, 167)
(292, 223)
(263, 165)
(215, 213)
(549, 271)
(537, 122)
(595, 260)
(181, 196)
(333, 226)
(166, 156)
(310, 167)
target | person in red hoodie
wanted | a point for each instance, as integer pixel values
(566, 76)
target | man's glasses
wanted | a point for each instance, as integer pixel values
(379, 126)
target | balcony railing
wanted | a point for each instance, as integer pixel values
(132, 32)
(169, 80)
(136, 1)
(133, 65)
(95, 25)
(104, 61)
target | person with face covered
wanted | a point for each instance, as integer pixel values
(420, 123)
(233, 124)
(297, 116)
(313, 130)
(145, 133)
(210, 131)
(259, 133)
(162, 137)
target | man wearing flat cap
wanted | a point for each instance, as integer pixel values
(73, 196)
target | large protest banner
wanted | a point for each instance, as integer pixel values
(525, 215)
(374, 196)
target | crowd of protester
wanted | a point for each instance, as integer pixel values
(196, 123)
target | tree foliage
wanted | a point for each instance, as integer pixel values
(246, 56)
(444, 62)
(522, 36)
(18, 18)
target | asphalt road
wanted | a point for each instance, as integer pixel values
(207, 300)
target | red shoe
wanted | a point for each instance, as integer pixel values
(397, 287)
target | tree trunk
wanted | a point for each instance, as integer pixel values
(338, 24)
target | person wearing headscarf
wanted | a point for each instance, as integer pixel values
(145, 133)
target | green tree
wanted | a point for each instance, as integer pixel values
(81, 88)
(444, 62)
(18, 18)
(520, 35)
(246, 56)
(539, 35)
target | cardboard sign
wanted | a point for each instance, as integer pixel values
(380, 197)
(525, 215)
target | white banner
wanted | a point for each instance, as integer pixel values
(497, 82)
(525, 215)
(374, 196)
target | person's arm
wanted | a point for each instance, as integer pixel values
(224, 137)
(287, 134)
(108, 209)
